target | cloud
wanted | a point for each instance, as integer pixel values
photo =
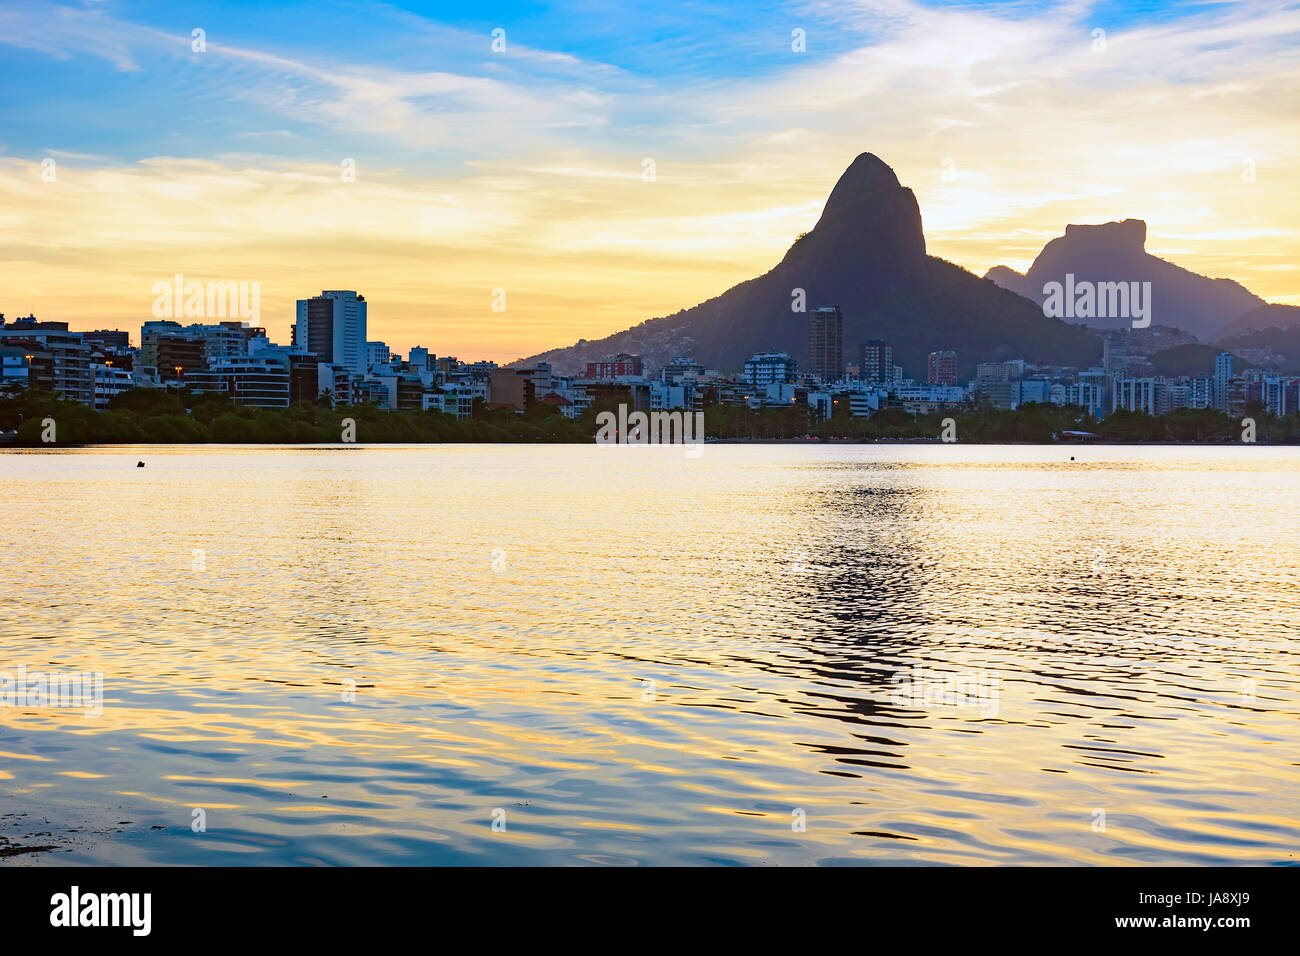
(524, 170)
(65, 31)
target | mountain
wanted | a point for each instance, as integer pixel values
(1193, 360)
(1264, 317)
(866, 255)
(1116, 252)
(1275, 347)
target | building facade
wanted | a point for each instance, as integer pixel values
(332, 326)
(261, 382)
(622, 365)
(941, 368)
(826, 344)
(59, 360)
(876, 362)
(1222, 376)
(110, 381)
(767, 368)
(377, 353)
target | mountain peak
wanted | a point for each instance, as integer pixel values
(1129, 235)
(866, 255)
(868, 177)
(869, 212)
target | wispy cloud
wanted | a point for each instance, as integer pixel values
(526, 169)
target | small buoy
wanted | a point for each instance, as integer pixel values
(139, 464)
(1071, 458)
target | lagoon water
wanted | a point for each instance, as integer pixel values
(764, 655)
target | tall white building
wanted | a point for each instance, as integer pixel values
(332, 326)
(1201, 393)
(767, 367)
(1280, 395)
(1087, 395)
(1137, 395)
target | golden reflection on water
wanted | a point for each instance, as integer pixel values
(641, 657)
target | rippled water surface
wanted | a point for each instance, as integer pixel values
(919, 654)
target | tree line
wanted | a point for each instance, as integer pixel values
(158, 416)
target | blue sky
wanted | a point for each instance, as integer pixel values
(524, 168)
(124, 83)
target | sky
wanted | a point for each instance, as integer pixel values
(502, 178)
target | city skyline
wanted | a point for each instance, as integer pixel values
(225, 155)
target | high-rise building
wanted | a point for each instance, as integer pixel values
(377, 353)
(826, 344)
(1278, 394)
(1200, 393)
(1222, 376)
(767, 368)
(332, 326)
(941, 368)
(876, 362)
(1139, 395)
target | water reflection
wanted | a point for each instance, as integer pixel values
(937, 654)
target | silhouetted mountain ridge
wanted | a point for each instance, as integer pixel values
(867, 255)
(1116, 252)
(1264, 317)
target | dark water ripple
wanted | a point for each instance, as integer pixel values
(926, 654)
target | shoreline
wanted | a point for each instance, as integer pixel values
(12, 446)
